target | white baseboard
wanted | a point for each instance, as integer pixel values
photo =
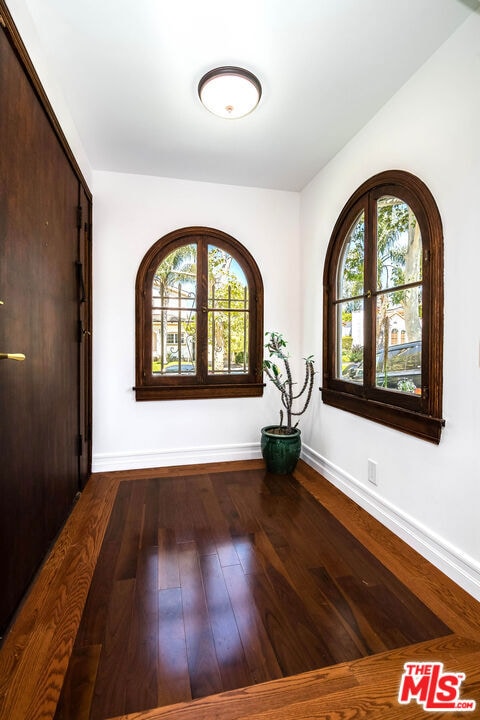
(105, 462)
(458, 566)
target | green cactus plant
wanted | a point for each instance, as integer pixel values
(277, 348)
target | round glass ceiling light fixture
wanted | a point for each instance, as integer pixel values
(230, 92)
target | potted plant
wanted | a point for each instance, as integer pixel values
(281, 444)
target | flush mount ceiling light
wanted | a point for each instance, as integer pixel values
(230, 92)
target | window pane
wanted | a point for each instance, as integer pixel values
(399, 341)
(175, 279)
(174, 312)
(228, 314)
(227, 343)
(177, 356)
(351, 267)
(399, 244)
(350, 341)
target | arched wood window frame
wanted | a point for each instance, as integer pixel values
(418, 415)
(153, 386)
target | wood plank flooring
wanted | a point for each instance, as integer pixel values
(220, 574)
(214, 582)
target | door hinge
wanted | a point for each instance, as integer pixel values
(82, 332)
(426, 256)
(425, 392)
(79, 217)
(79, 445)
(81, 281)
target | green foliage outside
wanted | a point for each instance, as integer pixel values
(347, 343)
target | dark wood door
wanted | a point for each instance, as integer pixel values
(40, 406)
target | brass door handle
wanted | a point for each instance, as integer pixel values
(12, 356)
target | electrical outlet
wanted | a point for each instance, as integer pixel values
(372, 472)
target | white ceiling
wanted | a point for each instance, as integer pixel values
(129, 73)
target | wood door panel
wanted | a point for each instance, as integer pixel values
(39, 399)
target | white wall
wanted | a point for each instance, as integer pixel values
(430, 493)
(130, 214)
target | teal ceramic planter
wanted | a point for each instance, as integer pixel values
(280, 452)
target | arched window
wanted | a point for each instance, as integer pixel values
(384, 269)
(199, 318)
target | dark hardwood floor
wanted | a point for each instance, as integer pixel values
(208, 583)
(211, 576)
